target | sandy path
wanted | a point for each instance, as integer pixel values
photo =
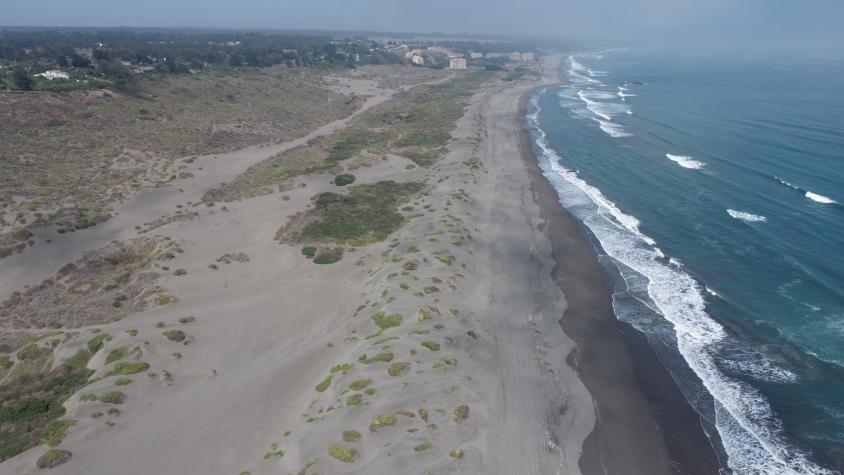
(37, 264)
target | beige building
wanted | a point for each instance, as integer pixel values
(417, 60)
(527, 57)
(475, 55)
(456, 63)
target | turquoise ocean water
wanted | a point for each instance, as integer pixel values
(712, 188)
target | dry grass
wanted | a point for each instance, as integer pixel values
(85, 149)
(104, 285)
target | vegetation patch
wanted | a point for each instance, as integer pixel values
(423, 447)
(309, 251)
(97, 342)
(382, 357)
(343, 454)
(397, 369)
(321, 387)
(460, 413)
(274, 453)
(126, 367)
(329, 255)
(351, 436)
(175, 335)
(55, 430)
(53, 458)
(104, 285)
(354, 400)
(116, 354)
(385, 322)
(445, 363)
(382, 421)
(360, 384)
(456, 454)
(431, 345)
(368, 213)
(33, 399)
(344, 179)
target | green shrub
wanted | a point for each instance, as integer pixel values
(360, 384)
(460, 413)
(180, 272)
(344, 179)
(351, 435)
(368, 213)
(112, 397)
(431, 345)
(55, 430)
(175, 335)
(29, 352)
(53, 458)
(423, 447)
(343, 454)
(126, 367)
(341, 368)
(275, 452)
(354, 400)
(456, 454)
(123, 381)
(397, 369)
(321, 387)
(382, 421)
(309, 251)
(445, 363)
(116, 354)
(97, 342)
(329, 256)
(386, 321)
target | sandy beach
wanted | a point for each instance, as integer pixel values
(502, 354)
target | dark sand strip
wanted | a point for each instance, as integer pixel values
(644, 424)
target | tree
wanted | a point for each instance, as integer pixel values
(22, 80)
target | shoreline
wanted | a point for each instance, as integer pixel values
(644, 423)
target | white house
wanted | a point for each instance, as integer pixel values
(417, 60)
(54, 74)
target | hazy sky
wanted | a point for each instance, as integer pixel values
(778, 22)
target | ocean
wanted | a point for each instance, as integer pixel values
(712, 190)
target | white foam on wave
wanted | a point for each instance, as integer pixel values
(745, 216)
(685, 161)
(751, 435)
(819, 198)
(612, 129)
(793, 187)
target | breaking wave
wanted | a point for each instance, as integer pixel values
(745, 216)
(685, 161)
(750, 432)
